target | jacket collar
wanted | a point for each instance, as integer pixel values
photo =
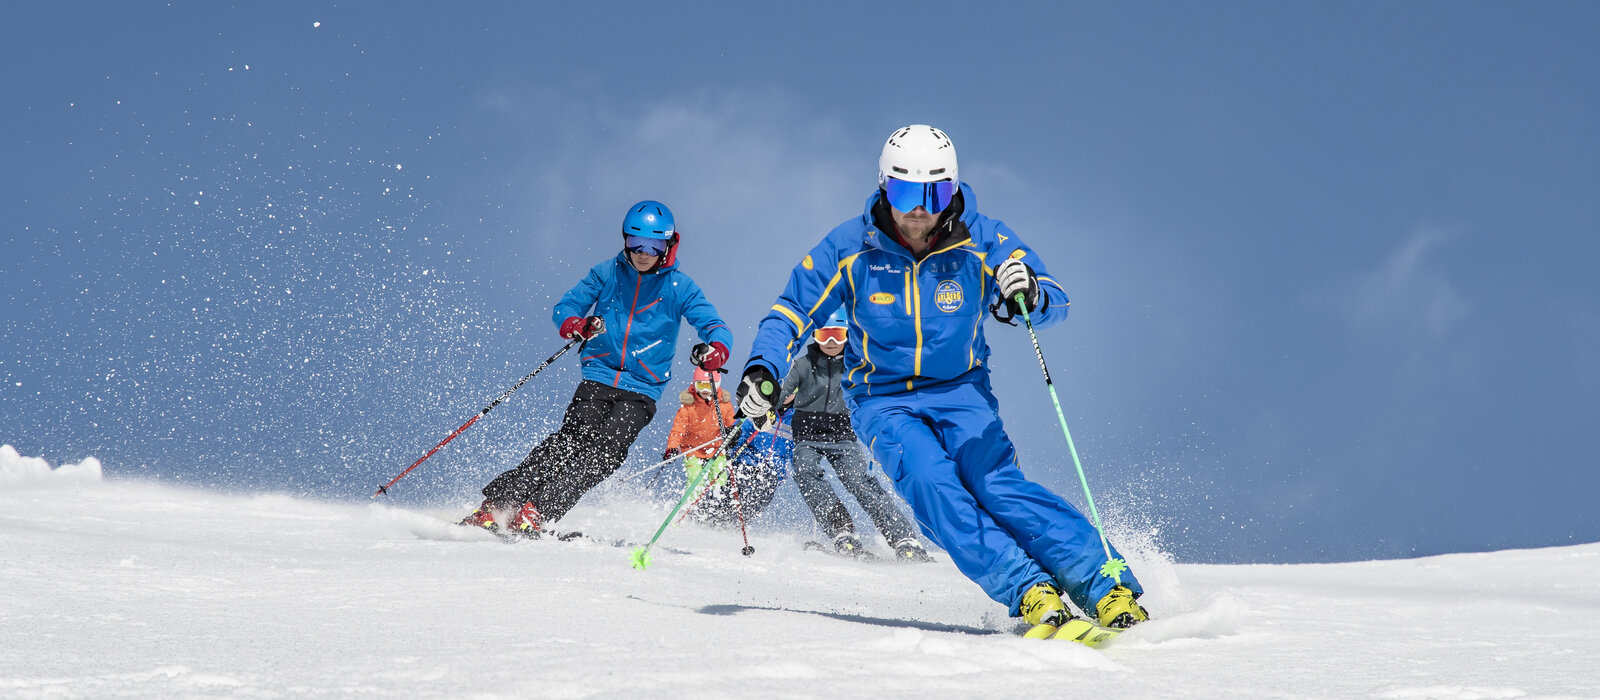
(818, 356)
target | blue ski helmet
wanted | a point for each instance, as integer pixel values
(839, 319)
(649, 219)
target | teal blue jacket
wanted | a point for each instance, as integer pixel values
(642, 313)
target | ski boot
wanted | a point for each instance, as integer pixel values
(482, 517)
(910, 550)
(526, 522)
(847, 544)
(1042, 607)
(1118, 610)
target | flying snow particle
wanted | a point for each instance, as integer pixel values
(315, 25)
(397, 166)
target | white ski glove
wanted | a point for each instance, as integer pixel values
(757, 390)
(1014, 277)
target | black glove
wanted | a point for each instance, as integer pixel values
(758, 390)
(669, 454)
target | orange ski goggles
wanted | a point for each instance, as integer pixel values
(830, 335)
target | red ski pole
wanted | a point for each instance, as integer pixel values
(738, 507)
(385, 488)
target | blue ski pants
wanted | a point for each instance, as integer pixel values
(950, 459)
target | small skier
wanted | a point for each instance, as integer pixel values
(742, 488)
(695, 423)
(627, 310)
(822, 429)
(915, 273)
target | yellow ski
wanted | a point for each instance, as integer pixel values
(1076, 630)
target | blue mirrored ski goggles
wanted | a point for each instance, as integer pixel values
(905, 196)
(640, 244)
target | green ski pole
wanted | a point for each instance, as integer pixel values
(641, 556)
(1113, 566)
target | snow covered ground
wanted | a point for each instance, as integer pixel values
(118, 589)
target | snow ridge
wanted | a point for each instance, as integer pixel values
(17, 470)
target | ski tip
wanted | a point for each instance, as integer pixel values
(641, 558)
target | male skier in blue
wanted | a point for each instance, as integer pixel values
(915, 273)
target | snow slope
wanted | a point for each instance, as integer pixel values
(127, 589)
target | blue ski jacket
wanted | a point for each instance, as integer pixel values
(641, 311)
(773, 447)
(913, 323)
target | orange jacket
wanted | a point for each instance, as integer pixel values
(696, 422)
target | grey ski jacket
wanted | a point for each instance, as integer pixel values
(820, 413)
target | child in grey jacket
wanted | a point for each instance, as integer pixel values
(822, 429)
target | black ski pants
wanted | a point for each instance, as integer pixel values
(600, 425)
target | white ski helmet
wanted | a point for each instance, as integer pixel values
(918, 153)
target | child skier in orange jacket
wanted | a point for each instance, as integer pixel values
(696, 422)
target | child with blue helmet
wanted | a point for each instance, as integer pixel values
(760, 460)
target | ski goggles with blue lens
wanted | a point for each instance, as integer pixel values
(905, 196)
(648, 246)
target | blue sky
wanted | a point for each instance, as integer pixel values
(1332, 265)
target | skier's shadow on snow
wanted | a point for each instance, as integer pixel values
(845, 617)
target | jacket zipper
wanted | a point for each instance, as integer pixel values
(623, 365)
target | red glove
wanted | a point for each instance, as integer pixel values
(669, 454)
(586, 328)
(709, 357)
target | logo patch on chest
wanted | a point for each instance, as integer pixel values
(947, 296)
(881, 298)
